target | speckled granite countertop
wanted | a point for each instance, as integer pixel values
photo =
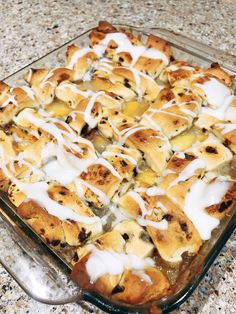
(30, 29)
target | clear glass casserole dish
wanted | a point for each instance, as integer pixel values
(45, 275)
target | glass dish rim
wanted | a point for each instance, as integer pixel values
(179, 298)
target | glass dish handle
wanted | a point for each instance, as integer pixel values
(32, 267)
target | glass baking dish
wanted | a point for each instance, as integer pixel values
(43, 273)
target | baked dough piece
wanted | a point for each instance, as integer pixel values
(181, 172)
(111, 248)
(137, 240)
(212, 151)
(181, 236)
(123, 159)
(208, 117)
(79, 60)
(173, 111)
(177, 237)
(105, 283)
(179, 73)
(55, 230)
(44, 82)
(226, 132)
(142, 85)
(14, 99)
(136, 288)
(152, 143)
(99, 183)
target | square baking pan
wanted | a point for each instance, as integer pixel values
(43, 273)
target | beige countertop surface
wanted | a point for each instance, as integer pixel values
(30, 29)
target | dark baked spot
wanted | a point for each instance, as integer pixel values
(84, 130)
(227, 142)
(145, 237)
(126, 83)
(63, 77)
(121, 59)
(184, 227)
(75, 257)
(42, 230)
(55, 242)
(117, 289)
(123, 163)
(68, 119)
(188, 156)
(168, 217)
(83, 235)
(211, 150)
(125, 236)
(135, 172)
(215, 65)
(225, 205)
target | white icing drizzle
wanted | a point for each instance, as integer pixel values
(167, 172)
(138, 199)
(153, 53)
(10, 99)
(169, 104)
(77, 55)
(28, 91)
(45, 80)
(152, 122)
(215, 91)
(143, 276)
(160, 225)
(70, 165)
(200, 196)
(88, 118)
(117, 213)
(38, 193)
(137, 79)
(101, 262)
(174, 67)
(168, 113)
(227, 127)
(123, 156)
(125, 45)
(105, 163)
(129, 131)
(154, 190)
(74, 89)
(161, 206)
(101, 195)
(54, 170)
(221, 112)
(189, 171)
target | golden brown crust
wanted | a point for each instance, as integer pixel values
(133, 289)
